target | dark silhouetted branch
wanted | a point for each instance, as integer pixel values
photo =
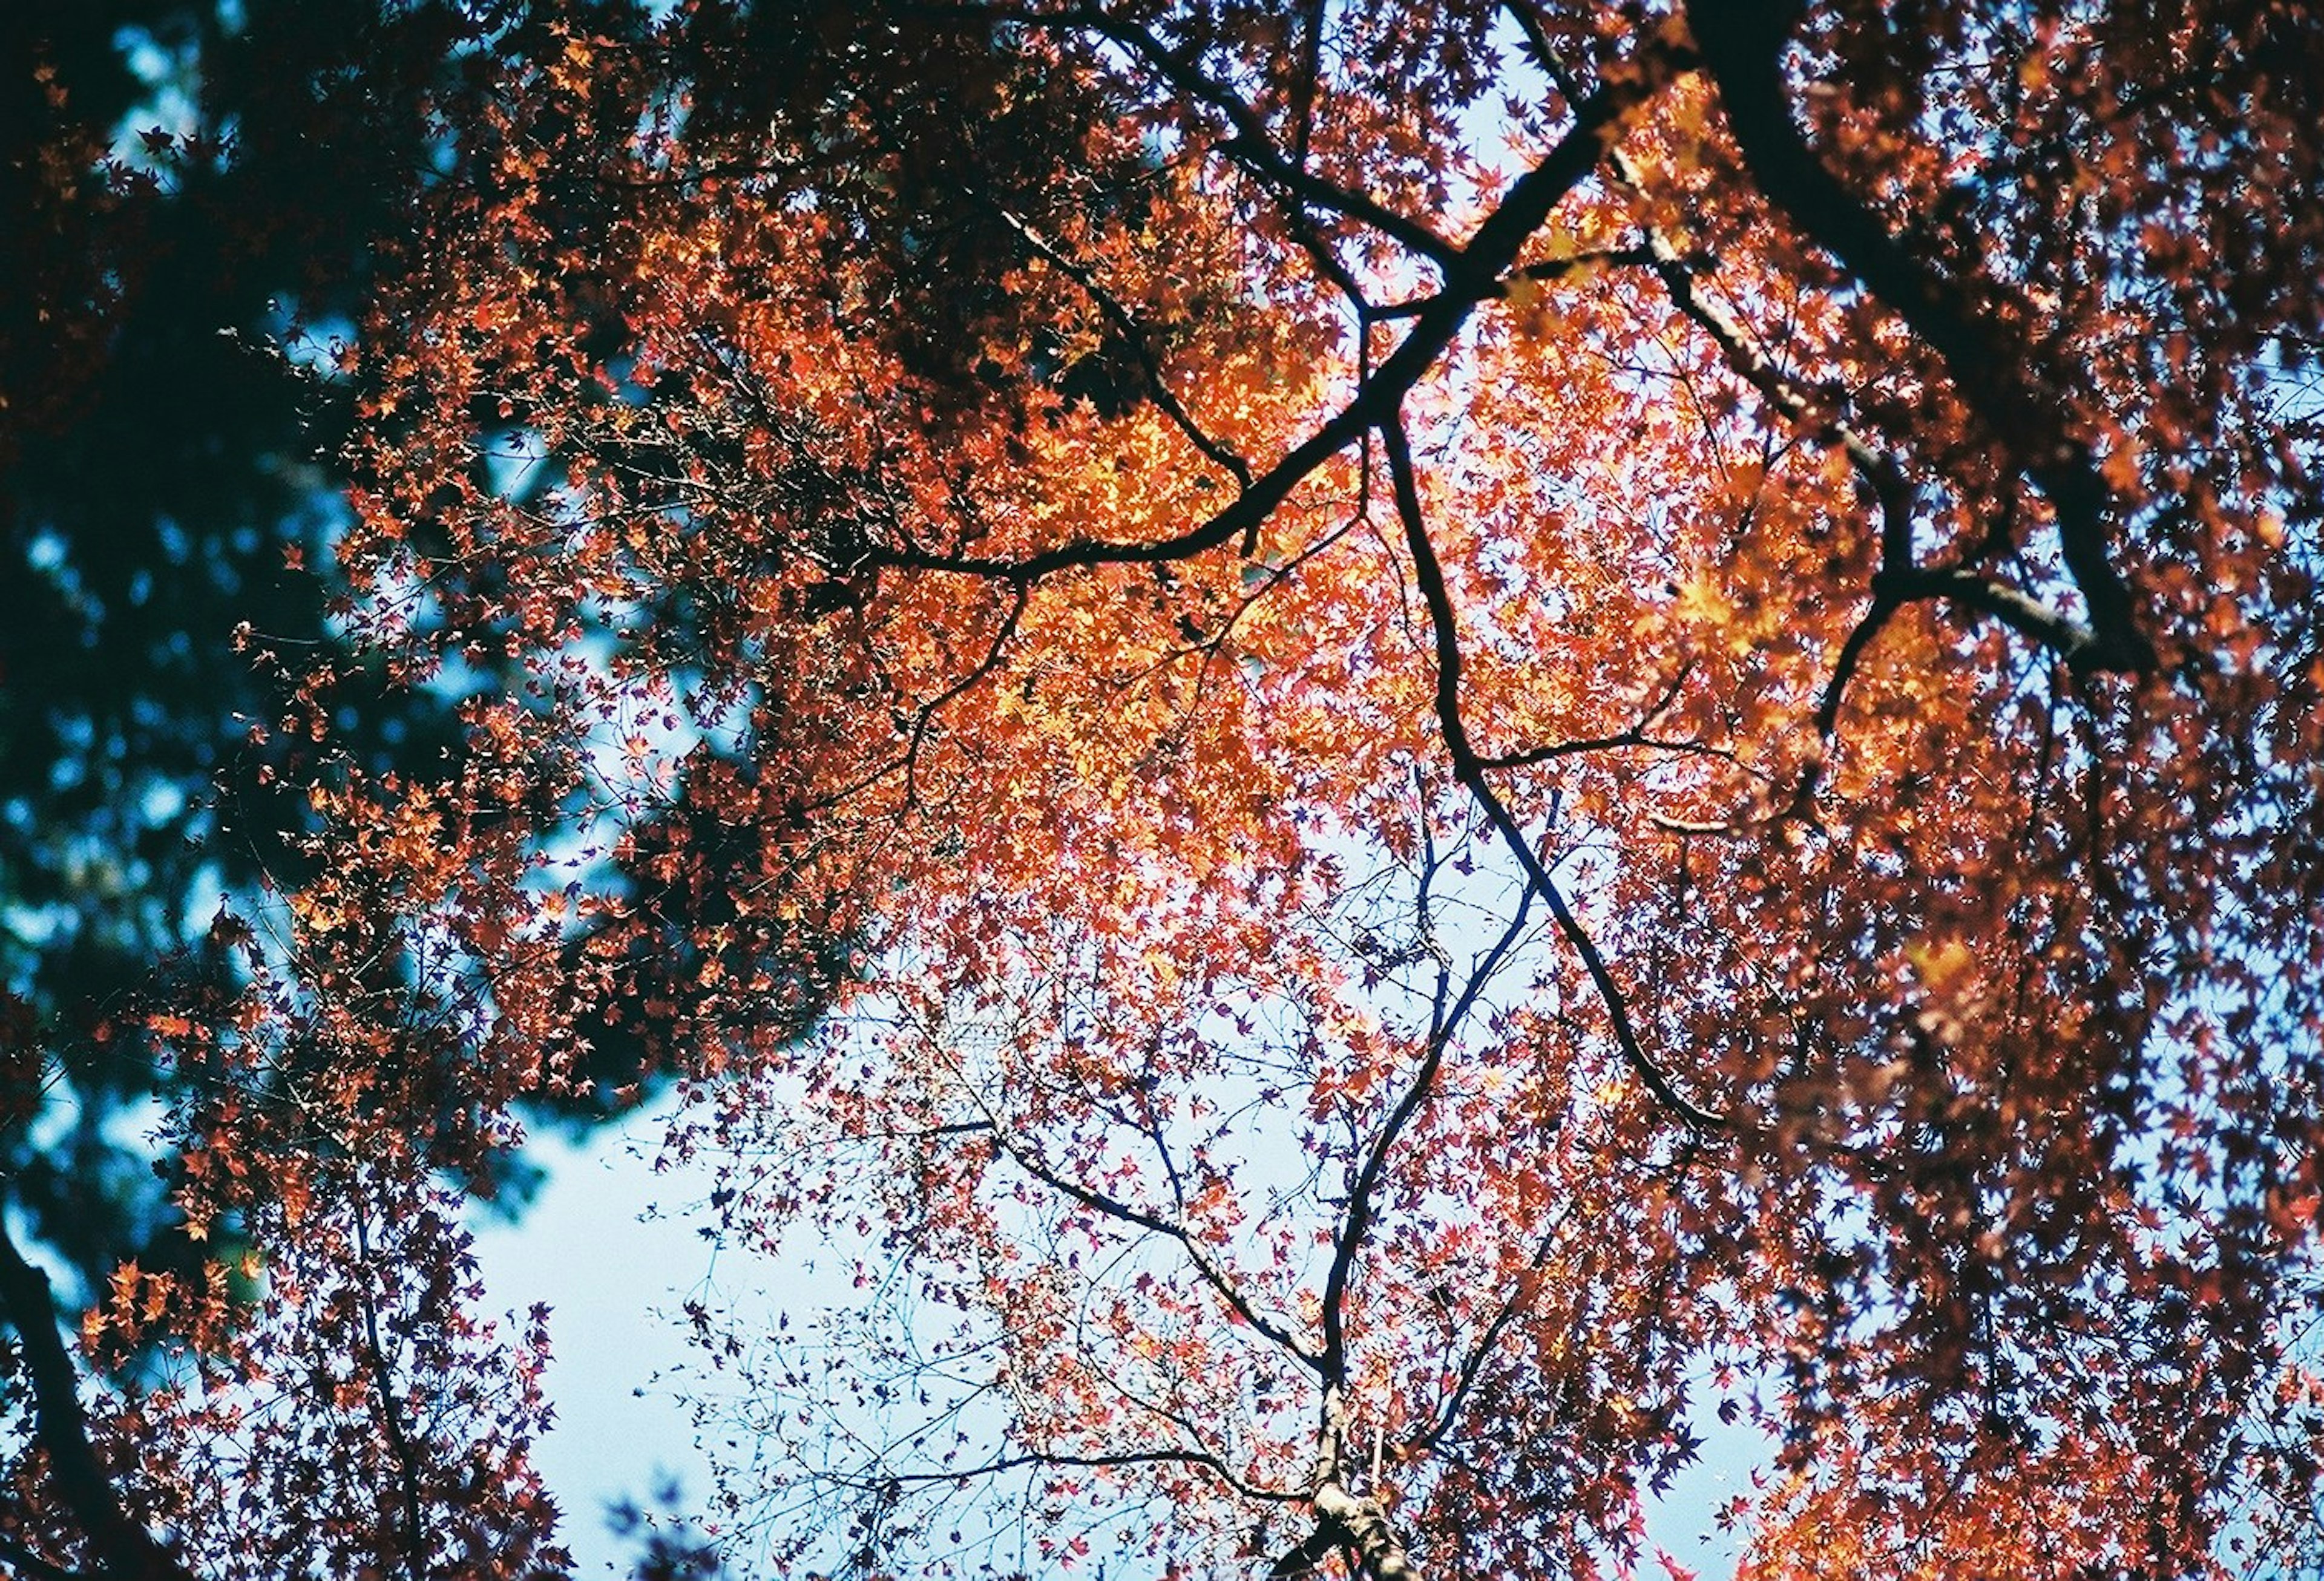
(127, 1551)
(1742, 46)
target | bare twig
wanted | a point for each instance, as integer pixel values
(1202, 1459)
(1356, 1222)
(1206, 1266)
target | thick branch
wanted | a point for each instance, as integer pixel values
(1365, 1528)
(399, 1445)
(1899, 581)
(1310, 72)
(1307, 1557)
(1345, 1518)
(2080, 646)
(1542, 270)
(126, 1549)
(1742, 46)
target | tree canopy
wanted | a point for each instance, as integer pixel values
(1387, 748)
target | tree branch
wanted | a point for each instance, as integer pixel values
(1307, 1557)
(1344, 1517)
(127, 1551)
(1200, 1458)
(1357, 1224)
(1471, 771)
(1255, 149)
(1133, 330)
(30, 1564)
(406, 1463)
(1742, 47)
(1471, 275)
(1899, 580)
(1114, 1207)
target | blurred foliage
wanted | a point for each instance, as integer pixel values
(190, 196)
